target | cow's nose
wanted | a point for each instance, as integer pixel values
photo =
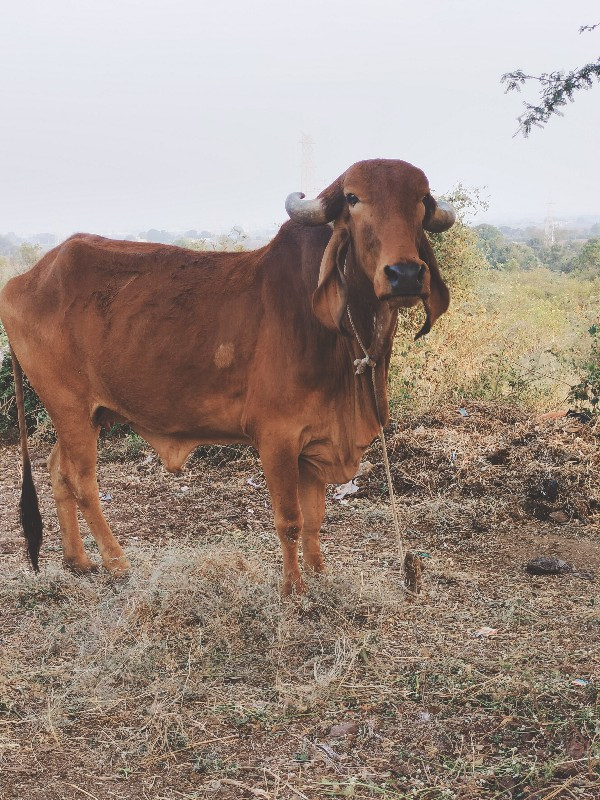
(406, 278)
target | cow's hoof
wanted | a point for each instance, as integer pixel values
(314, 565)
(293, 586)
(118, 567)
(80, 567)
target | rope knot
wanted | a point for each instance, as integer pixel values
(361, 364)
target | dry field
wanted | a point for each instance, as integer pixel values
(194, 679)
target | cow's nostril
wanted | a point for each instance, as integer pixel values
(405, 277)
(394, 275)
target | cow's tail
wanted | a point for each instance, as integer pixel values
(31, 519)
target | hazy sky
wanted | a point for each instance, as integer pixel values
(121, 115)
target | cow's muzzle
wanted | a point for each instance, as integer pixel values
(405, 279)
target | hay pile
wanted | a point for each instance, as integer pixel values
(492, 468)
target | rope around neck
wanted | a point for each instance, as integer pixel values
(361, 364)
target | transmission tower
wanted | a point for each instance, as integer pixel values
(550, 225)
(308, 169)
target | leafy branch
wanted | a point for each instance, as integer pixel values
(557, 88)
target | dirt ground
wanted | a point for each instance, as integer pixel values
(194, 679)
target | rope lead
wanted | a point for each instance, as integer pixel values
(361, 365)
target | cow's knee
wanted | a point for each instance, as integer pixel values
(291, 532)
(289, 527)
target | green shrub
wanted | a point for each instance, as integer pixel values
(121, 443)
(118, 444)
(35, 413)
(585, 395)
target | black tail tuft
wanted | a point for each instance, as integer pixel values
(30, 509)
(31, 519)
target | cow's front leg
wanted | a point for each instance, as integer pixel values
(280, 465)
(312, 502)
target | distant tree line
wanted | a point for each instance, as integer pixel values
(510, 249)
(11, 244)
(517, 249)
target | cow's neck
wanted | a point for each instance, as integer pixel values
(374, 324)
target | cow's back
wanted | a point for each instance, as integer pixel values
(155, 332)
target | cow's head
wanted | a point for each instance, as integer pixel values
(380, 208)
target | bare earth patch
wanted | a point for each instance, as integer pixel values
(194, 679)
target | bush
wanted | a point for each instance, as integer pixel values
(118, 444)
(512, 337)
(35, 413)
(585, 395)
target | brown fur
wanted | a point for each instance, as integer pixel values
(194, 348)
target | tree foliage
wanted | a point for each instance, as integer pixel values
(28, 254)
(557, 88)
(588, 260)
(503, 254)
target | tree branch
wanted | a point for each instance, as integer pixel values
(557, 88)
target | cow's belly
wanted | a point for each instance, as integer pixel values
(177, 431)
(174, 451)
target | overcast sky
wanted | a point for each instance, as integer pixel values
(121, 115)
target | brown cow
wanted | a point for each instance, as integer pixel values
(192, 348)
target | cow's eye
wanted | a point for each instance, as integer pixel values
(352, 199)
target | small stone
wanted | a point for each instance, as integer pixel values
(344, 729)
(547, 565)
(559, 517)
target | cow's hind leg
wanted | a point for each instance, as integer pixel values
(74, 554)
(280, 465)
(73, 470)
(312, 502)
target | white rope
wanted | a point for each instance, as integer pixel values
(361, 364)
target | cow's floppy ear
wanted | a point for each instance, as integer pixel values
(330, 298)
(439, 296)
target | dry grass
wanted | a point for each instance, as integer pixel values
(195, 680)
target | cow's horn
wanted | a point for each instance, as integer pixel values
(305, 212)
(442, 218)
